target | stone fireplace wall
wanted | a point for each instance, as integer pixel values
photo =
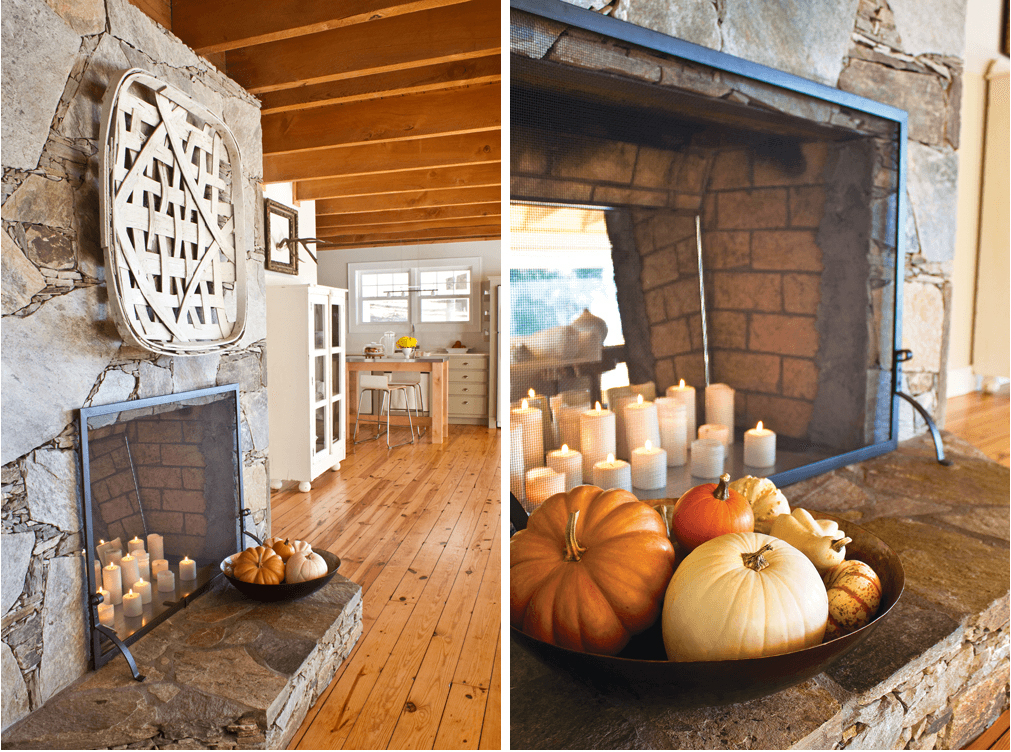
(61, 351)
(890, 51)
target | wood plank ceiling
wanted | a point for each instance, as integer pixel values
(385, 112)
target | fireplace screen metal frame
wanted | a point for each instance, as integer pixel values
(570, 15)
(103, 645)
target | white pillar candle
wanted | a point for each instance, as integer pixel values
(98, 571)
(759, 447)
(617, 405)
(158, 565)
(641, 424)
(144, 565)
(612, 473)
(541, 402)
(569, 462)
(135, 545)
(143, 589)
(116, 556)
(673, 417)
(166, 581)
(720, 407)
(718, 432)
(187, 569)
(103, 550)
(517, 470)
(107, 614)
(112, 581)
(707, 458)
(132, 604)
(155, 546)
(568, 426)
(130, 573)
(529, 420)
(104, 593)
(649, 467)
(597, 432)
(543, 482)
(685, 395)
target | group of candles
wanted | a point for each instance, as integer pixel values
(629, 445)
(134, 573)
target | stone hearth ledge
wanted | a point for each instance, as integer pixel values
(223, 673)
(934, 674)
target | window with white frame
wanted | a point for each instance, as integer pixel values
(431, 294)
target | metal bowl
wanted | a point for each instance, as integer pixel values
(286, 591)
(643, 666)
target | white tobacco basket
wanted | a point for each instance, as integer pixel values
(172, 219)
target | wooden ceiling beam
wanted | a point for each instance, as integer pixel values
(371, 159)
(401, 237)
(416, 241)
(441, 35)
(396, 216)
(407, 201)
(218, 25)
(436, 113)
(435, 224)
(482, 70)
(401, 182)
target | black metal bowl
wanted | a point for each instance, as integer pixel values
(642, 667)
(286, 591)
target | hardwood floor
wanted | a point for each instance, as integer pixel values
(983, 421)
(419, 528)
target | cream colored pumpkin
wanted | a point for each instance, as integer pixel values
(298, 546)
(743, 595)
(854, 595)
(819, 540)
(302, 567)
(766, 500)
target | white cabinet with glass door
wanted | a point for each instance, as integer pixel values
(306, 373)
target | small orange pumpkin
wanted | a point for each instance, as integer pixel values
(283, 548)
(259, 565)
(590, 570)
(709, 511)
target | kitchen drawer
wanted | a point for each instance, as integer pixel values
(467, 376)
(465, 389)
(466, 405)
(468, 361)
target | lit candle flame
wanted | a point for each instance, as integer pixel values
(649, 445)
(598, 407)
(610, 459)
(565, 448)
(759, 426)
(682, 384)
(524, 405)
(640, 398)
(531, 393)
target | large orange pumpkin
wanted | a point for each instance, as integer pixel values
(590, 570)
(709, 511)
(260, 565)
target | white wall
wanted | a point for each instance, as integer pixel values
(282, 192)
(333, 271)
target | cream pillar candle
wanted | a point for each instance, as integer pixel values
(158, 565)
(144, 565)
(529, 421)
(187, 569)
(112, 580)
(673, 417)
(759, 446)
(641, 424)
(612, 473)
(155, 546)
(707, 458)
(166, 581)
(132, 604)
(543, 482)
(143, 589)
(134, 545)
(568, 426)
(130, 573)
(713, 431)
(597, 432)
(542, 403)
(649, 467)
(517, 471)
(720, 407)
(685, 395)
(104, 550)
(569, 462)
(115, 557)
(107, 614)
(104, 593)
(617, 405)
(98, 571)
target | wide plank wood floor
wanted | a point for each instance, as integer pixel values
(984, 420)
(419, 528)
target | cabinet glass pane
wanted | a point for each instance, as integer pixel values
(319, 325)
(319, 378)
(338, 420)
(335, 371)
(320, 428)
(335, 326)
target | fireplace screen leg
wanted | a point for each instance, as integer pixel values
(122, 649)
(938, 444)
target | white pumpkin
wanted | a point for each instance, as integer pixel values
(766, 500)
(302, 567)
(743, 595)
(300, 547)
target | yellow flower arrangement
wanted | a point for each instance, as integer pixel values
(407, 342)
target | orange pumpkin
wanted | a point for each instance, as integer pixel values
(709, 511)
(283, 548)
(590, 570)
(260, 565)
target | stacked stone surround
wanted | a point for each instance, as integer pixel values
(61, 350)
(890, 52)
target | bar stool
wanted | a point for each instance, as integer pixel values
(412, 380)
(380, 383)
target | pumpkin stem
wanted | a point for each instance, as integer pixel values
(756, 561)
(836, 545)
(722, 491)
(572, 547)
